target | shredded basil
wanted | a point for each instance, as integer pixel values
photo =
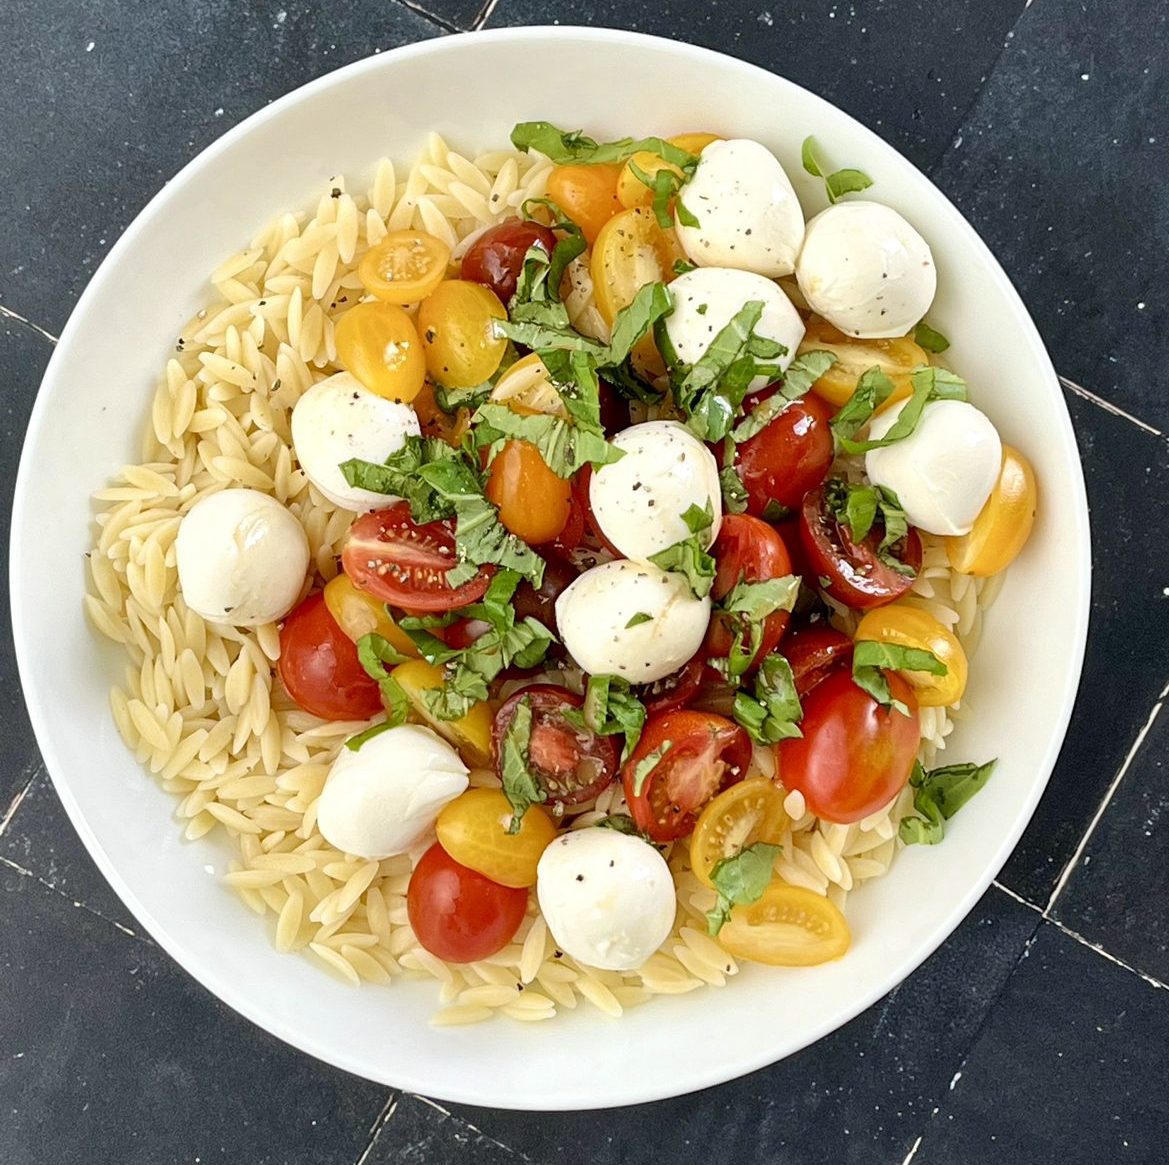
(520, 787)
(871, 658)
(565, 448)
(354, 743)
(373, 653)
(839, 182)
(647, 764)
(940, 793)
(859, 507)
(689, 557)
(929, 384)
(610, 708)
(567, 148)
(746, 609)
(798, 379)
(773, 713)
(925, 337)
(636, 619)
(620, 823)
(733, 490)
(740, 880)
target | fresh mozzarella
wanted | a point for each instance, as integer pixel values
(747, 211)
(706, 300)
(943, 472)
(631, 619)
(338, 419)
(608, 898)
(639, 501)
(379, 800)
(241, 558)
(866, 270)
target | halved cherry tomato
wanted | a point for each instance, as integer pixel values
(1003, 526)
(746, 550)
(534, 503)
(319, 666)
(435, 423)
(632, 191)
(458, 914)
(746, 813)
(526, 389)
(815, 652)
(906, 626)
(470, 734)
(570, 764)
(855, 755)
(675, 690)
(463, 632)
(400, 562)
(586, 194)
(540, 602)
(358, 613)
(703, 754)
(782, 462)
(789, 926)
(404, 267)
(378, 343)
(496, 258)
(455, 323)
(473, 829)
(897, 358)
(851, 572)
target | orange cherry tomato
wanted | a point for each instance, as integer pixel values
(435, 423)
(1002, 528)
(377, 343)
(455, 322)
(534, 503)
(404, 267)
(586, 194)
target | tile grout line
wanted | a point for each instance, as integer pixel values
(1099, 950)
(1069, 868)
(415, 7)
(1018, 897)
(466, 1124)
(485, 15)
(8, 314)
(1086, 394)
(380, 1122)
(18, 800)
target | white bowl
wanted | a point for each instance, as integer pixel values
(92, 405)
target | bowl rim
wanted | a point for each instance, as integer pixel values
(695, 1076)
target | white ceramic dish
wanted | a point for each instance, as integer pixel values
(95, 397)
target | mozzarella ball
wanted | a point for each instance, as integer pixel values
(866, 270)
(241, 558)
(594, 616)
(338, 419)
(608, 897)
(747, 211)
(639, 501)
(706, 300)
(944, 471)
(379, 800)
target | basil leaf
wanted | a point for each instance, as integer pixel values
(610, 708)
(686, 217)
(636, 620)
(925, 337)
(620, 823)
(929, 384)
(564, 148)
(665, 184)
(688, 558)
(746, 608)
(450, 400)
(839, 182)
(681, 266)
(774, 512)
(354, 743)
(798, 379)
(940, 794)
(651, 303)
(859, 506)
(861, 511)
(872, 390)
(565, 448)
(373, 653)
(520, 787)
(740, 880)
(647, 764)
(870, 658)
(733, 490)
(774, 712)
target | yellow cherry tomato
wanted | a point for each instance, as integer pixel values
(534, 503)
(908, 626)
(586, 194)
(788, 927)
(473, 830)
(454, 322)
(897, 358)
(378, 343)
(358, 613)
(404, 267)
(1004, 524)
(526, 388)
(471, 734)
(632, 191)
(746, 813)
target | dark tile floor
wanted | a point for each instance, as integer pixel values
(1037, 1033)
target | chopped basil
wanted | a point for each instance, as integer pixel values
(870, 659)
(450, 400)
(940, 793)
(681, 266)
(373, 653)
(872, 390)
(740, 880)
(859, 507)
(689, 557)
(520, 787)
(733, 490)
(354, 743)
(686, 217)
(647, 764)
(775, 512)
(665, 184)
(610, 708)
(799, 377)
(930, 340)
(573, 147)
(565, 448)
(636, 619)
(839, 182)
(774, 712)
(929, 384)
(620, 823)
(746, 608)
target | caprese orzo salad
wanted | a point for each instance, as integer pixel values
(556, 570)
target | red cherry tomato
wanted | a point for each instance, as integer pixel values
(319, 667)
(580, 489)
(403, 563)
(703, 754)
(614, 410)
(746, 550)
(788, 458)
(854, 755)
(458, 914)
(570, 536)
(570, 764)
(496, 258)
(540, 602)
(463, 632)
(814, 652)
(675, 690)
(850, 571)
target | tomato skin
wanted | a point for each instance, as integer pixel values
(906, 626)
(897, 357)
(746, 550)
(814, 652)
(746, 813)
(790, 926)
(580, 489)
(540, 603)
(496, 258)
(455, 326)
(854, 756)
(587, 195)
(534, 503)
(473, 829)
(849, 571)
(319, 666)
(400, 562)
(358, 613)
(1002, 528)
(470, 733)
(570, 764)
(788, 458)
(707, 754)
(378, 343)
(675, 690)
(458, 914)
